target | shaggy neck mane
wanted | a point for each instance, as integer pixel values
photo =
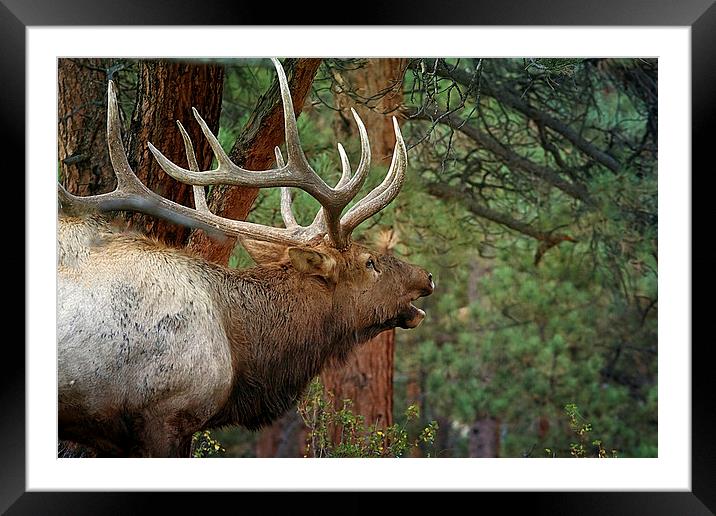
(284, 327)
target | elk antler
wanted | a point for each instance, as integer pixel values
(131, 194)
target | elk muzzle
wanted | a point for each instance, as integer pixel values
(413, 316)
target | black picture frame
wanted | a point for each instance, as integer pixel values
(700, 15)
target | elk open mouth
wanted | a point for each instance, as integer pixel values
(411, 317)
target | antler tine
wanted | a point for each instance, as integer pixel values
(387, 180)
(286, 197)
(318, 224)
(347, 186)
(126, 179)
(345, 167)
(353, 186)
(328, 217)
(226, 173)
(349, 183)
(198, 191)
(384, 193)
(296, 173)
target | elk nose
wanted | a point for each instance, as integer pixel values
(431, 286)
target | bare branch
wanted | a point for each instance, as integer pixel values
(546, 239)
(510, 99)
(509, 157)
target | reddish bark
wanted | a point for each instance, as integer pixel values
(484, 438)
(375, 91)
(367, 379)
(286, 437)
(82, 111)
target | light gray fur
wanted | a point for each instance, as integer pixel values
(132, 340)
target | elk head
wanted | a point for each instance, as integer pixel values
(375, 289)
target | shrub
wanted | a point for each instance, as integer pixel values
(204, 445)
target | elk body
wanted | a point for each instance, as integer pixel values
(155, 344)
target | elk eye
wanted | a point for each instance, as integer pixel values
(370, 264)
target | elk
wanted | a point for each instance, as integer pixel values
(155, 344)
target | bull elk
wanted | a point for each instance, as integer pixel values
(155, 344)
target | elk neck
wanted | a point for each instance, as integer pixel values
(282, 328)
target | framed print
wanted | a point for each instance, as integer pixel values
(667, 470)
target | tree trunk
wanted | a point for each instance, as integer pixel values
(445, 439)
(484, 438)
(285, 438)
(254, 150)
(375, 91)
(166, 92)
(81, 126)
(367, 377)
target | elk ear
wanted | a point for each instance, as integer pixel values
(313, 262)
(264, 252)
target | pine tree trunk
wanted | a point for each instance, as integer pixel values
(367, 377)
(445, 438)
(81, 126)
(285, 438)
(484, 438)
(166, 92)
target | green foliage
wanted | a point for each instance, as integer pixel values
(513, 340)
(204, 445)
(531, 339)
(353, 437)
